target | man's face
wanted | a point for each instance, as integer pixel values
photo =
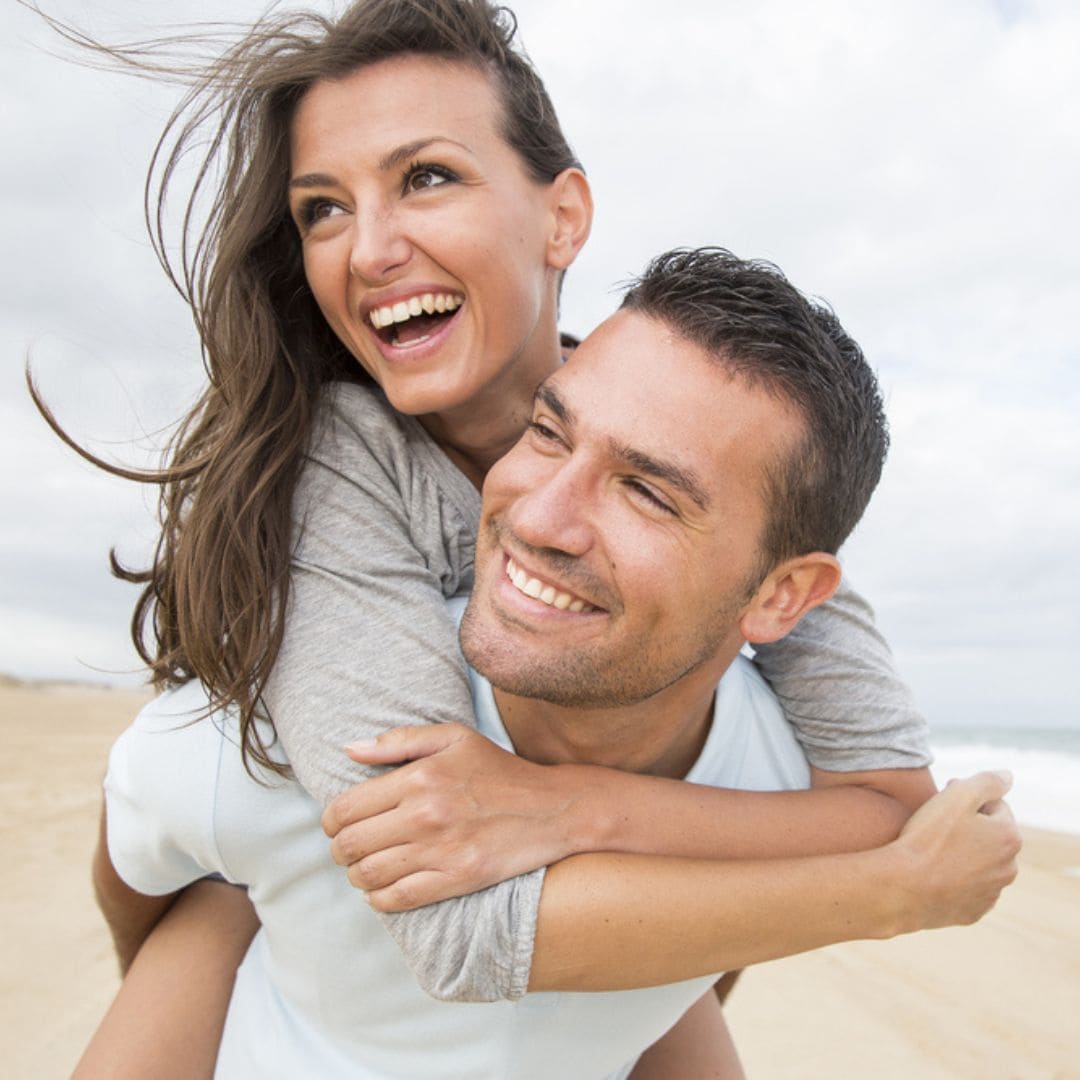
(619, 542)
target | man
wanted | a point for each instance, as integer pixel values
(685, 481)
(653, 519)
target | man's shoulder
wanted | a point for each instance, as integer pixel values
(750, 744)
(179, 730)
(743, 697)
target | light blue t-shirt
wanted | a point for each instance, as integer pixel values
(324, 990)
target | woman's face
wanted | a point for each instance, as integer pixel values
(430, 251)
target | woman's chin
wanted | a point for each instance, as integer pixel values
(425, 399)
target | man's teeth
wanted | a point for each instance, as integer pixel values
(548, 594)
(403, 310)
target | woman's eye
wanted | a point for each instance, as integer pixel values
(315, 210)
(422, 177)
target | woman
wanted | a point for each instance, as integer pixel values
(430, 249)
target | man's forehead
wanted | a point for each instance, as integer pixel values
(634, 365)
(637, 379)
(628, 338)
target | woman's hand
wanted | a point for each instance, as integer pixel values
(460, 816)
(959, 851)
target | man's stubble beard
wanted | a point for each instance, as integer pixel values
(587, 678)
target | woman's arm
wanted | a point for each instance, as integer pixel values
(611, 922)
(385, 533)
(167, 1018)
(466, 813)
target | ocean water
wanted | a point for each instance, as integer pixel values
(1045, 763)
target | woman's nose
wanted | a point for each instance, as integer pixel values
(379, 246)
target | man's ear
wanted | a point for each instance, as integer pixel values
(572, 209)
(787, 594)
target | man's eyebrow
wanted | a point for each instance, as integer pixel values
(678, 476)
(548, 395)
(400, 155)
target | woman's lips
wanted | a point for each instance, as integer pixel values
(414, 319)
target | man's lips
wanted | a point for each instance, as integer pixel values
(544, 591)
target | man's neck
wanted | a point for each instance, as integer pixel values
(661, 736)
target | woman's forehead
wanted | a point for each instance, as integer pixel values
(404, 89)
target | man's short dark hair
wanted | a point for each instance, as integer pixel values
(758, 326)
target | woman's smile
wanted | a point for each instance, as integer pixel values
(406, 322)
(411, 324)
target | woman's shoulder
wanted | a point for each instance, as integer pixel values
(356, 419)
(359, 408)
(358, 434)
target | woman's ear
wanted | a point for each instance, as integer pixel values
(572, 212)
(787, 594)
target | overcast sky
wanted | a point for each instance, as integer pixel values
(916, 164)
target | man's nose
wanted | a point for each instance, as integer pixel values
(557, 513)
(380, 247)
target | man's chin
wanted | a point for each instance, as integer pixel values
(514, 668)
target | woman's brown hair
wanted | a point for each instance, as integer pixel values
(214, 598)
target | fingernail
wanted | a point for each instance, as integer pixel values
(1004, 775)
(361, 744)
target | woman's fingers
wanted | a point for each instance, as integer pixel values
(406, 744)
(381, 794)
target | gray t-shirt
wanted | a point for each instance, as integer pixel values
(385, 532)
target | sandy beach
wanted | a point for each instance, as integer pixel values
(998, 1001)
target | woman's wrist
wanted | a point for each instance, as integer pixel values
(888, 891)
(588, 814)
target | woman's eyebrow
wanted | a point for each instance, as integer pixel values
(389, 162)
(404, 154)
(312, 180)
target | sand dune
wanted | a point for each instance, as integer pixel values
(998, 1001)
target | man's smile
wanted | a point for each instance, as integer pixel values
(544, 591)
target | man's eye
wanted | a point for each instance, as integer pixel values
(420, 177)
(647, 494)
(542, 431)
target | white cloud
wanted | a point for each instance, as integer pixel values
(915, 164)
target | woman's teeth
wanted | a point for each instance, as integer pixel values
(547, 594)
(403, 310)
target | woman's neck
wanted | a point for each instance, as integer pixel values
(474, 459)
(475, 435)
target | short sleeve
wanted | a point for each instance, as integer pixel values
(386, 529)
(385, 534)
(159, 795)
(837, 683)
